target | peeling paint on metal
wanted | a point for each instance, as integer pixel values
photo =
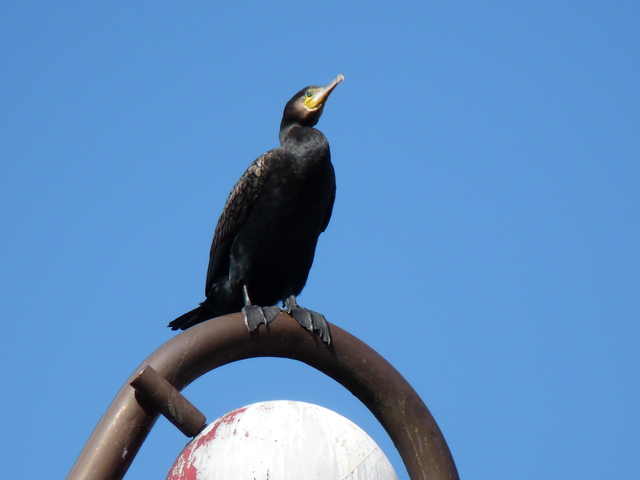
(282, 440)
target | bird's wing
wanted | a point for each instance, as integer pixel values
(329, 210)
(234, 215)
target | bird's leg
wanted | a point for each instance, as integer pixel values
(255, 315)
(312, 321)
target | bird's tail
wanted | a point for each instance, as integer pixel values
(187, 320)
(220, 301)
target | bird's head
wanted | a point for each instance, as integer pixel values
(305, 107)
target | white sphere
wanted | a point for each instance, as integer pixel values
(282, 440)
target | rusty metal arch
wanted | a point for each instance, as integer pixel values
(120, 433)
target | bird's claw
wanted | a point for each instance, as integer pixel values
(254, 316)
(270, 313)
(314, 322)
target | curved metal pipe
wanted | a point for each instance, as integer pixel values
(118, 436)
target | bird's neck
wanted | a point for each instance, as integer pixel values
(285, 129)
(305, 146)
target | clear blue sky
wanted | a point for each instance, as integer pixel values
(485, 237)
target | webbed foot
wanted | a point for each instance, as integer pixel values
(312, 321)
(254, 315)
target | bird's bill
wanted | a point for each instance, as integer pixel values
(322, 93)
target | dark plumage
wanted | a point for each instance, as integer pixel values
(266, 237)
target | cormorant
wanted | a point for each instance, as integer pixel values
(266, 237)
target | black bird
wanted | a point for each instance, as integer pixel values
(266, 237)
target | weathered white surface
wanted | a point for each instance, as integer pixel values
(282, 440)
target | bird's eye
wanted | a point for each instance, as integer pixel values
(308, 94)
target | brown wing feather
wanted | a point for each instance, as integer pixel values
(234, 215)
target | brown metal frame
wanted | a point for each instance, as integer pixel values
(155, 393)
(118, 436)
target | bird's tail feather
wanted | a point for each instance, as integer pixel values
(187, 320)
(220, 301)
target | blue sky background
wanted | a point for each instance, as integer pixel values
(485, 237)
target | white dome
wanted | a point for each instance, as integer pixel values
(282, 440)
